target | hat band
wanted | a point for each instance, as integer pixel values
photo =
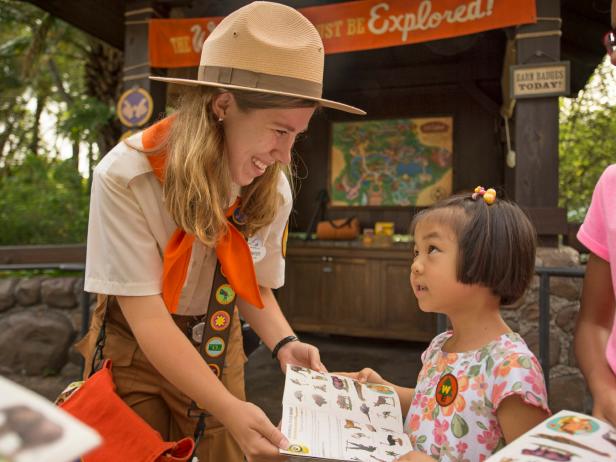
(258, 80)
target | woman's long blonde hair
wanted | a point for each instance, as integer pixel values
(197, 183)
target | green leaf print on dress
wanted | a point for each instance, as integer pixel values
(459, 427)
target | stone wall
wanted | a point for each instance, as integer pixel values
(567, 386)
(40, 318)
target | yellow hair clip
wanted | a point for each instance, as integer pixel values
(489, 195)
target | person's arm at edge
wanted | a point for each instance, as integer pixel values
(592, 331)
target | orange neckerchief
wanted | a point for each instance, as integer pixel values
(232, 250)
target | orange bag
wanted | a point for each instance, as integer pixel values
(339, 229)
(126, 436)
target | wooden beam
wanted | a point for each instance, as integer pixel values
(137, 67)
(548, 220)
(34, 254)
(411, 76)
(101, 19)
(534, 180)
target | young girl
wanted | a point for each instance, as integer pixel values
(480, 386)
(595, 335)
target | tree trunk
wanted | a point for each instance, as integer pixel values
(41, 100)
(103, 81)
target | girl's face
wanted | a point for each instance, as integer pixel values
(258, 138)
(433, 272)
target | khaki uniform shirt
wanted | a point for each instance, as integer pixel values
(129, 228)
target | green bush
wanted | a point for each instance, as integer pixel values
(43, 201)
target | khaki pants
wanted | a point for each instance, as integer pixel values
(151, 396)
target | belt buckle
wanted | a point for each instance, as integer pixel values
(196, 332)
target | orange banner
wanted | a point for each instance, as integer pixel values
(358, 25)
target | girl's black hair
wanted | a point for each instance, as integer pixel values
(496, 242)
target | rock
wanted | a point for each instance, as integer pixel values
(558, 256)
(568, 288)
(567, 317)
(7, 297)
(511, 318)
(572, 359)
(530, 313)
(28, 291)
(568, 392)
(59, 292)
(532, 340)
(35, 341)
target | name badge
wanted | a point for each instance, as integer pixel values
(257, 249)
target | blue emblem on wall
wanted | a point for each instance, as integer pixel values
(135, 107)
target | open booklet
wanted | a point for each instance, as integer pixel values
(33, 429)
(332, 417)
(566, 436)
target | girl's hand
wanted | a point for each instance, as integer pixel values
(366, 375)
(414, 456)
(258, 438)
(300, 354)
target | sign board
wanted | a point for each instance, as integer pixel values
(356, 25)
(540, 80)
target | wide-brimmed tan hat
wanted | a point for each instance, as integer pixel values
(268, 48)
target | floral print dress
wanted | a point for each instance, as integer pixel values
(453, 412)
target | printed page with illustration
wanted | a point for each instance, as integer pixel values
(566, 436)
(33, 429)
(332, 417)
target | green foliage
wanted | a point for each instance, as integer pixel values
(43, 81)
(84, 119)
(44, 202)
(587, 140)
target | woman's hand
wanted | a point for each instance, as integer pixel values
(415, 456)
(258, 438)
(366, 375)
(300, 354)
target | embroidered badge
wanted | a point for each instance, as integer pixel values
(220, 320)
(283, 244)
(446, 390)
(225, 294)
(215, 347)
(215, 369)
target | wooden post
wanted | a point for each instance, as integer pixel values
(533, 183)
(137, 64)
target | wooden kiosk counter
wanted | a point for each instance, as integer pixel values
(343, 287)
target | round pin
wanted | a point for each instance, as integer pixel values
(215, 369)
(446, 390)
(225, 294)
(220, 320)
(215, 347)
(238, 217)
(257, 249)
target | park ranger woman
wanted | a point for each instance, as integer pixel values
(169, 212)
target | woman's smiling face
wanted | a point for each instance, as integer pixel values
(256, 139)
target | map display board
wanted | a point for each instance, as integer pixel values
(393, 162)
